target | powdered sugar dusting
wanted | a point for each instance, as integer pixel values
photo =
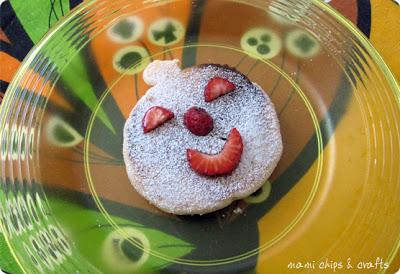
(156, 162)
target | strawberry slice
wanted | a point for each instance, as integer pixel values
(217, 87)
(155, 117)
(220, 164)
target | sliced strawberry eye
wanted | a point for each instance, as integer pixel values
(217, 87)
(155, 117)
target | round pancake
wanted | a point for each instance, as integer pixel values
(156, 162)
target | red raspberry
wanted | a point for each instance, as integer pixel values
(198, 121)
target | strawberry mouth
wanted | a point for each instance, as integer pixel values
(219, 164)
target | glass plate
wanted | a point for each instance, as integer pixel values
(333, 201)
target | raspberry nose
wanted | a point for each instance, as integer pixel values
(198, 121)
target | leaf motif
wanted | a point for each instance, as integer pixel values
(37, 16)
(107, 248)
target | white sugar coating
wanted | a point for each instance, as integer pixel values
(156, 162)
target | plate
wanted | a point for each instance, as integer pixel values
(331, 204)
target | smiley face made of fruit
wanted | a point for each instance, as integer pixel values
(200, 138)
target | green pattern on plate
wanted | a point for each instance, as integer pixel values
(37, 16)
(103, 245)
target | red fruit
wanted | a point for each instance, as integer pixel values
(155, 117)
(220, 164)
(198, 121)
(217, 87)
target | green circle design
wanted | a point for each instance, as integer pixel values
(166, 32)
(302, 44)
(260, 195)
(59, 133)
(118, 252)
(126, 30)
(131, 60)
(262, 43)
